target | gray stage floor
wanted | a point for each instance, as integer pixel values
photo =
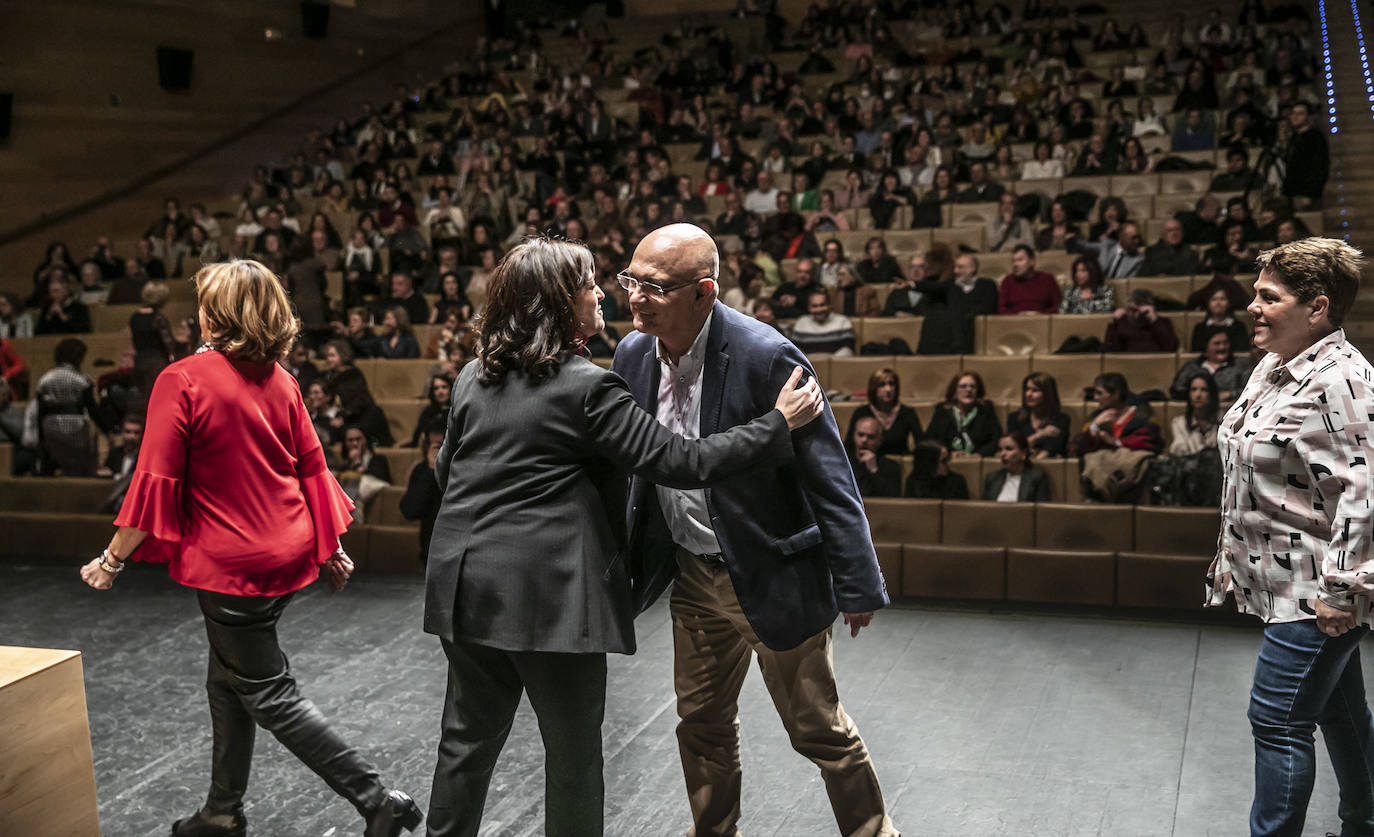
(979, 723)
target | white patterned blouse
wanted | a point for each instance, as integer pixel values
(1296, 503)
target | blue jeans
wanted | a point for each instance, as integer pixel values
(1303, 679)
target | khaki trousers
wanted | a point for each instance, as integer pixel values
(712, 644)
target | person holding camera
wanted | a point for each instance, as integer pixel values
(1139, 327)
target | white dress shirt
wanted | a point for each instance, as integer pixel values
(679, 410)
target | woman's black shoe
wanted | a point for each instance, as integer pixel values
(397, 813)
(200, 824)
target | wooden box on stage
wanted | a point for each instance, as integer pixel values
(47, 779)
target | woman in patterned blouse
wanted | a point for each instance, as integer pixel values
(1295, 537)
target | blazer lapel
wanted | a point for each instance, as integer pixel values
(714, 367)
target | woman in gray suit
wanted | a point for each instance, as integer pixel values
(528, 582)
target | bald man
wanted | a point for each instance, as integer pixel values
(762, 564)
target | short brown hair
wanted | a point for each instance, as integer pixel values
(981, 393)
(529, 324)
(154, 294)
(247, 310)
(1316, 267)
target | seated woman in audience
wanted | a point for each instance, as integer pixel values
(1040, 419)
(965, 421)
(1061, 234)
(1017, 481)
(746, 294)
(1147, 123)
(851, 297)
(1044, 166)
(1090, 293)
(62, 312)
(1008, 229)
(319, 405)
(440, 391)
(900, 425)
(152, 337)
(1230, 372)
(942, 189)
(887, 198)
(931, 477)
(397, 340)
(357, 409)
(14, 320)
(451, 298)
(201, 248)
(879, 266)
(360, 471)
(1220, 315)
(1196, 430)
(339, 369)
(1003, 168)
(1121, 420)
(1133, 159)
(1111, 214)
(828, 217)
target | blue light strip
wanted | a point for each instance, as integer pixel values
(1326, 66)
(1364, 56)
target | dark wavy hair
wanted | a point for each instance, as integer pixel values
(529, 323)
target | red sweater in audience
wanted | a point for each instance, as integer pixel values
(1036, 291)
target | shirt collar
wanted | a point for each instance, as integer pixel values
(1306, 360)
(695, 353)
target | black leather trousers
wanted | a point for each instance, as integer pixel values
(250, 685)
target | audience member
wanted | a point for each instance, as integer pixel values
(1008, 230)
(66, 410)
(14, 430)
(423, 497)
(1195, 430)
(1230, 372)
(965, 422)
(1139, 327)
(13, 370)
(900, 426)
(1308, 162)
(1121, 420)
(1220, 315)
(14, 320)
(1061, 234)
(1026, 290)
(439, 392)
(1170, 256)
(876, 475)
(120, 460)
(1017, 481)
(878, 266)
(397, 340)
(822, 330)
(62, 312)
(152, 337)
(1089, 293)
(403, 294)
(790, 299)
(853, 298)
(1040, 419)
(931, 477)
(952, 304)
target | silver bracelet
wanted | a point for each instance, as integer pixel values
(107, 566)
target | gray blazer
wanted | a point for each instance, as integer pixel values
(528, 549)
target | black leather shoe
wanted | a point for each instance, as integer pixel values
(397, 813)
(201, 824)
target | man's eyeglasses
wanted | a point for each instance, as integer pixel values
(632, 284)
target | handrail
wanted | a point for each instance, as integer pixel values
(45, 221)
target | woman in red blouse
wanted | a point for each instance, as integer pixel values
(231, 489)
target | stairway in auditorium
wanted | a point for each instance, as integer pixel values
(1351, 187)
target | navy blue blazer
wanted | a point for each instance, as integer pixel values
(794, 537)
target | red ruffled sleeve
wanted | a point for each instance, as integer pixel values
(330, 509)
(154, 501)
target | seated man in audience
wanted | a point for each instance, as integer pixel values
(120, 461)
(905, 300)
(980, 188)
(789, 298)
(403, 294)
(1194, 133)
(1139, 328)
(877, 475)
(407, 246)
(734, 220)
(1238, 177)
(1202, 224)
(1026, 290)
(1120, 257)
(763, 198)
(12, 432)
(821, 330)
(1170, 256)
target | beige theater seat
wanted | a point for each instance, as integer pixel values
(979, 523)
(894, 520)
(393, 549)
(1002, 376)
(1150, 579)
(1088, 526)
(396, 379)
(1015, 334)
(947, 571)
(1072, 373)
(1061, 576)
(925, 377)
(849, 375)
(1177, 531)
